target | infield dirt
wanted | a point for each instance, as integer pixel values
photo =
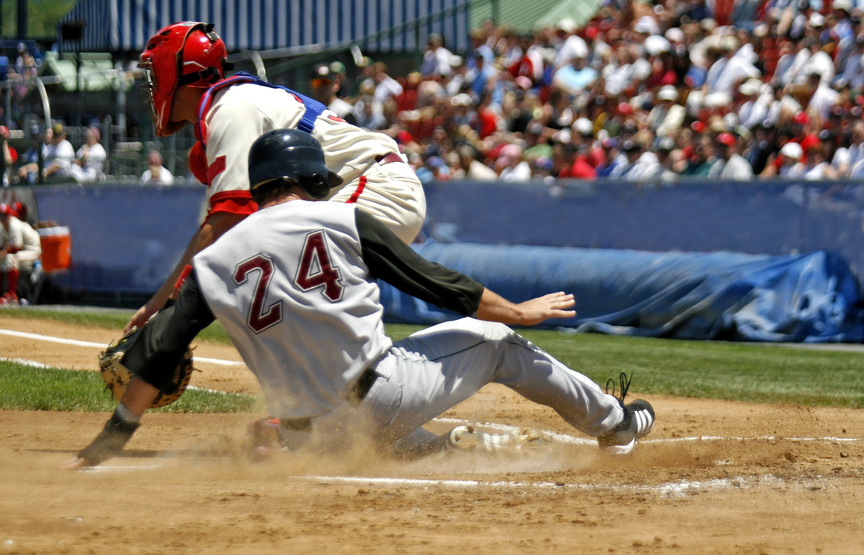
(715, 477)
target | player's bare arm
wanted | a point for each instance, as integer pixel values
(496, 308)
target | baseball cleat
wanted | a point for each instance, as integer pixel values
(264, 432)
(469, 438)
(638, 421)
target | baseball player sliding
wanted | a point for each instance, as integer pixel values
(185, 70)
(295, 287)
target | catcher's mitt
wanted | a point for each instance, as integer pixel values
(117, 376)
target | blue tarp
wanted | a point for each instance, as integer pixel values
(810, 298)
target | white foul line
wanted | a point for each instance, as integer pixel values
(667, 489)
(77, 343)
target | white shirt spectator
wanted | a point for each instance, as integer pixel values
(753, 112)
(842, 162)
(387, 87)
(519, 172)
(437, 60)
(852, 73)
(823, 99)
(727, 73)
(58, 154)
(573, 47)
(90, 158)
(156, 174)
(736, 168)
(818, 62)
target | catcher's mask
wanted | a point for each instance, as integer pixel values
(291, 155)
(186, 53)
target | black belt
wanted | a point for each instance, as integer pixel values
(362, 386)
(358, 392)
(388, 159)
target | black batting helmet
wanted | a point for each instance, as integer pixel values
(291, 155)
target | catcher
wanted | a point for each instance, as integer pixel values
(185, 68)
(295, 287)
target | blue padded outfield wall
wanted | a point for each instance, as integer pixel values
(636, 257)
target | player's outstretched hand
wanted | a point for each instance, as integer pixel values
(496, 308)
(553, 305)
(76, 464)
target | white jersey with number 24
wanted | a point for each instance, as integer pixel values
(291, 288)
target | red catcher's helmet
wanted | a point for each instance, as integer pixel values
(186, 53)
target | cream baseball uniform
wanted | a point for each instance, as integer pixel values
(23, 243)
(374, 173)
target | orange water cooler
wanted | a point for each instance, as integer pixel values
(56, 248)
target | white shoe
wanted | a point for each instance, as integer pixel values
(638, 422)
(469, 438)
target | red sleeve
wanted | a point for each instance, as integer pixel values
(198, 162)
(232, 202)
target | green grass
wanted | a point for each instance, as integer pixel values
(706, 369)
(27, 388)
(115, 320)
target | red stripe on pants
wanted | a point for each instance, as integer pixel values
(358, 191)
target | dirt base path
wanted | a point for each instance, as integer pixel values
(715, 477)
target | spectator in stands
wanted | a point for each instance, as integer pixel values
(90, 158)
(815, 166)
(324, 87)
(387, 89)
(511, 165)
(4, 66)
(850, 68)
(10, 155)
(485, 79)
(571, 45)
(754, 105)
(667, 156)
(437, 60)
(575, 76)
(480, 48)
(613, 157)
(28, 171)
(581, 167)
(472, 167)
(156, 173)
(731, 166)
(57, 156)
(20, 248)
(25, 64)
(788, 162)
(666, 116)
(345, 84)
(700, 157)
(370, 113)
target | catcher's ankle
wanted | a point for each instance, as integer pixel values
(111, 440)
(127, 415)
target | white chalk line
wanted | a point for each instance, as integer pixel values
(666, 489)
(102, 346)
(563, 438)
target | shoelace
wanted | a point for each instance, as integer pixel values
(625, 385)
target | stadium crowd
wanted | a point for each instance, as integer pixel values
(644, 91)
